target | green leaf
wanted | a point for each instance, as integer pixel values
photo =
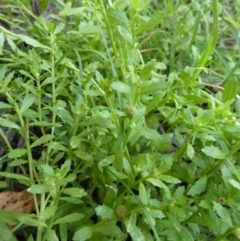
(186, 234)
(234, 183)
(223, 213)
(118, 160)
(27, 74)
(4, 105)
(166, 163)
(18, 152)
(74, 192)
(98, 121)
(190, 151)
(157, 214)
(134, 231)
(32, 42)
(73, 11)
(117, 17)
(150, 134)
(230, 90)
(135, 4)
(40, 188)
(73, 217)
(65, 167)
(110, 230)
(154, 20)
(155, 101)
(51, 235)
(83, 234)
(49, 80)
(160, 184)
(198, 187)
(6, 233)
(59, 28)
(48, 212)
(143, 194)
(169, 179)
(120, 87)
(213, 151)
(27, 102)
(7, 123)
(29, 220)
(105, 212)
(63, 231)
(126, 34)
(20, 178)
(151, 88)
(42, 140)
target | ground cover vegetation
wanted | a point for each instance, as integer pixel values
(121, 118)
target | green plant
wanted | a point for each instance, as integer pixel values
(129, 118)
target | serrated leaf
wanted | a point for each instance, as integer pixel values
(73, 217)
(40, 188)
(157, 214)
(223, 213)
(17, 153)
(198, 187)
(7, 123)
(143, 194)
(213, 151)
(133, 230)
(83, 234)
(27, 102)
(74, 192)
(105, 212)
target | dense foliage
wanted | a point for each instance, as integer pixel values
(124, 116)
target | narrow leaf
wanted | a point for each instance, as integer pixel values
(73, 217)
(7, 123)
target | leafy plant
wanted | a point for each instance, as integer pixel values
(123, 117)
